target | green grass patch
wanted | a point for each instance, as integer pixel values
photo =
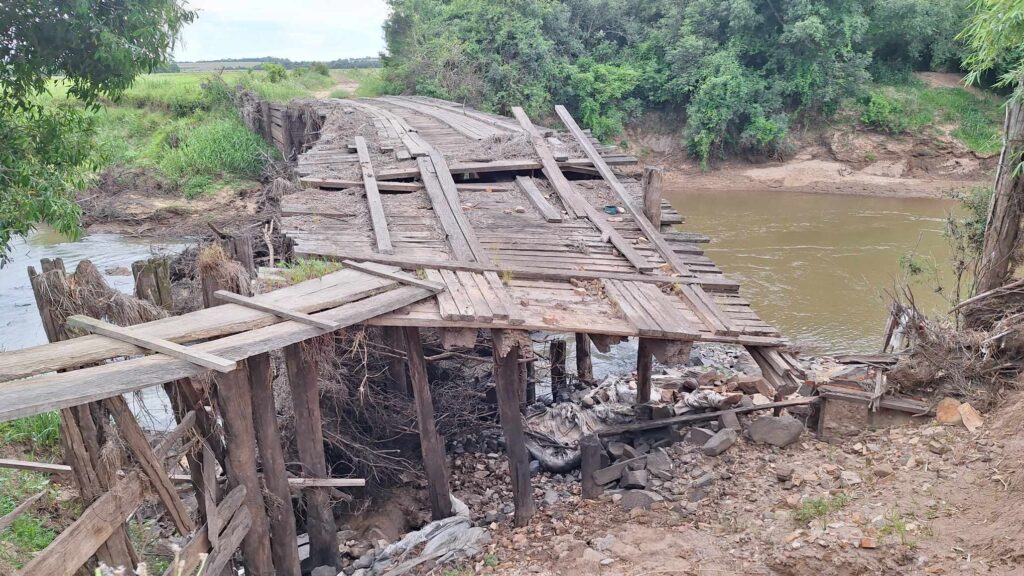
(308, 268)
(820, 508)
(39, 433)
(212, 151)
(31, 532)
(973, 119)
(339, 93)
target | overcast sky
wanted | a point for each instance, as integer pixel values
(295, 29)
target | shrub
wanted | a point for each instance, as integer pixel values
(321, 69)
(883, 113)
(274, 72)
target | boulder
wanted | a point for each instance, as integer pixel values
(730, 420)
(720, 442)
(633, 479)
(632, 499)
(778, 431)
(698, 436)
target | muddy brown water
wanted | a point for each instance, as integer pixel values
(817, 266)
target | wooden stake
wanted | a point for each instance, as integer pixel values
(557, 359)
(590, 461)
(235, 403)
(268, 438)
(309, 439)
(584, 364)
(506, 376)
(153, 281)
(395, 339)
(644, 365)
(652, 185)
(431, 443)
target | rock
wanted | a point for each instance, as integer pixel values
(616, 450)
(784, 472)
(703, 481)
(947, 412)
(778, 431)
(632, 499)
(550, 497)
(848, 478)
(971, 418)
(709, 378)
(698, 436)
(325, 571)
(604, 543)
(869, 543)
(633, 479)
(607, 561)
(720, 442)
(364, 561)
(534, 467)
(698, 495)
(659, 464)
(936, 447)
(730, 420)
(883, 471)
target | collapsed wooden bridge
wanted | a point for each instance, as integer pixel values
(444, 218)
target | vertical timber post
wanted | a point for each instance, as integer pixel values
(652, 187)
(557, 359)
(506, 376)
(584, 364)
(309, 439)
(396, 340)
(531, 382)
(431, 443)
(282, 515)
(644, 366)
(590, 462)
(235, 403)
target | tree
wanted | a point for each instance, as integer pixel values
(995, 41)
(94, 48)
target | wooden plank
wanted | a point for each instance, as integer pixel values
(10, 517)
(459, 295)
(73, 547)
(431, 443)
(189, 559)
(337, 183)
(309, 442)
(501, 291)
(135, 438)
(481, 309)
(691, 418)
(40, 467)
(442, 209)
(494, 303)
(446, 304)
(645, 325)
(667, 315)
(377, 218)
(451, 194)
(547, 211)
(648, 229)
(303, 483)
(644, 364)
(276, 310)
(699, 307)
(398, 276)
(52, 391)
(234, 534)
(570, 199)
(167, 347)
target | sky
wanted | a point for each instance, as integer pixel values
(294, 29)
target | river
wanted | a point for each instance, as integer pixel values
(817, 266)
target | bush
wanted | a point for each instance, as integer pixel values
(274, 72)
(321, 69)
(883, 113)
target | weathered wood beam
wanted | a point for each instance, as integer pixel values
(644, 365)
(276, 310)
(584, 363)
(376, 269)
(377, 218)
(506, 376)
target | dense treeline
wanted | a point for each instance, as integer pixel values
(743, 71)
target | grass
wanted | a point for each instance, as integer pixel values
(218, 149)
(820, 508)
(975, 120)
(308, 268)
(40, 433)
(896, 525)
(31, 532)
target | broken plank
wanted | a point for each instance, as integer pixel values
(689, 418)
(459, 295)
(549, 166)
(547, 211)
(451, 194)
(442, 209)
(274, 309)
(300, 483)
(337, 183)
(378, 270)
(167, 347)
(480, 306)
(377, 218)
(445, 302)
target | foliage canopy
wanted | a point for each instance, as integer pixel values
(95, 49)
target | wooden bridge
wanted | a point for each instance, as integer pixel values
(444, 218)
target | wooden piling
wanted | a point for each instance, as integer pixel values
(590, 462)
(309, 439)
(644, 365)
(506, 376)
(584, 364)
(153, 281)
(268, 437)
(557, 359)
(235, 404)
(652, 187)
(395, 339)
(431, 443)
(531, 382)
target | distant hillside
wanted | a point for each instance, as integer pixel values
(247, 63)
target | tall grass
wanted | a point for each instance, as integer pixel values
(219, 149)
(40, 433)
(29, 533)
